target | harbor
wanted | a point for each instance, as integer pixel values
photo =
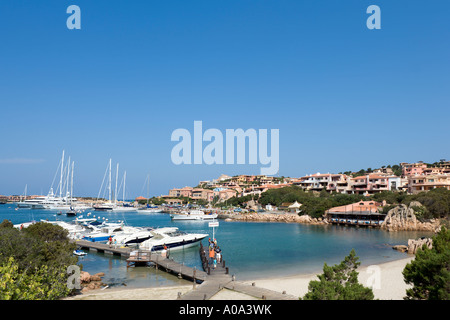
(211, 279)
(268, 249)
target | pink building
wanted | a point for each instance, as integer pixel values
(371, 183)
(409, 169)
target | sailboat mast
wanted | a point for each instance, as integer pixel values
(71, 183)
(25, 196)
(60, 179)
(124, 179)
(148, 187)
(67, 178)
(117, 178)
(109, 180)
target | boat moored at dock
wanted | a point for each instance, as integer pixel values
(171, 238)
(194, 215)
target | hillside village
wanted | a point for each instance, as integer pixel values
(411, 178)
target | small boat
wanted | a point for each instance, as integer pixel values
(104, 207)
(172, 238)
(71, 213)
(194, 215)
(79, 253)
(149, 210)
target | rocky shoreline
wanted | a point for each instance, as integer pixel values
(91, 282)
(399, 218)
(273, 217)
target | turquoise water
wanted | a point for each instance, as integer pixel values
(251, 249)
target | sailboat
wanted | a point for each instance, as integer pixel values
(124, 207)
(51, 201)
(148, 208)
(114, 206)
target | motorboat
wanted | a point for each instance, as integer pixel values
(79, 253)
(134, 237)
(103, 232)
(172, 238)
(194, 215)
(108, 206)
(119, 208)
(71, 213)
(149, 210)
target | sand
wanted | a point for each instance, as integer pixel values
(386, 280)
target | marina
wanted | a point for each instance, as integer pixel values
(253, 249)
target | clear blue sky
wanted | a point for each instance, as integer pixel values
(343, 97)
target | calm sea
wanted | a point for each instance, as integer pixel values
(251, 250)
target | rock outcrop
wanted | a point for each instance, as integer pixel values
(91, 282)
(414, 245)
(402, 218)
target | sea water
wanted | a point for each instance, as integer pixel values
(251, 250)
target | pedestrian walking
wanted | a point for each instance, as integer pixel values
(218, 254)
(212, 255)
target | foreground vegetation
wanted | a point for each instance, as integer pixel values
(339, 282)
(34, 261)
(429, 272)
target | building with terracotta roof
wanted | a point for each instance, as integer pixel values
(362, 213)
(420, 183)
(369, 184)
(204, 194)
(325, 181)
(409, 169)
(181, 192)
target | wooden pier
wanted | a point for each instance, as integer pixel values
(124, 252)
(219, 278)
(211, 280)
(144, 257)
(141, 257)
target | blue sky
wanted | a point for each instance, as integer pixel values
(343, 97)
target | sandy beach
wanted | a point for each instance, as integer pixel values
(386, 280)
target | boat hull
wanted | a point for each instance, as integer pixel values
(178, 245)
(194, 217)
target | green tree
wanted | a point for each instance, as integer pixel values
(429, 272)
(339, 282)
(42, 284)
(33, 261)
(6, 224)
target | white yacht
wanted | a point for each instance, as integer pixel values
(149, 210)
(135, 236)
(172, 238)
(194, 215)
(35, 203)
